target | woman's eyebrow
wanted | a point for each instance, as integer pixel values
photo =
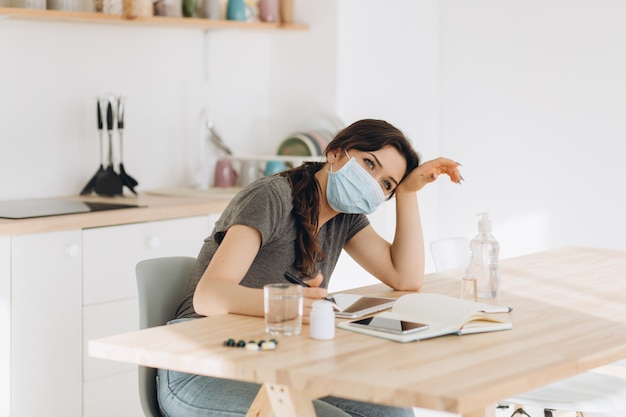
(381, 166)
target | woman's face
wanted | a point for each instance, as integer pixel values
(386, 165)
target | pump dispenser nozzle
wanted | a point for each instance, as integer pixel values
(484, 222)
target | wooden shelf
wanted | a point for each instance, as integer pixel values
(100, 18)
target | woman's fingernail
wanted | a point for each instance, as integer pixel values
(458, 163)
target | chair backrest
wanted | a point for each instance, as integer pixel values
(161, 285)
(450, 253)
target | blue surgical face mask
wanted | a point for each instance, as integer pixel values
(353, 190)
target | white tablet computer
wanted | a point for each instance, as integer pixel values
(353, 305)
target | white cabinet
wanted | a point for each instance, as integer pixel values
(110, 255)
(46, 324)
(60, 289)
(102, 320)
(5, 326)
(114, 396)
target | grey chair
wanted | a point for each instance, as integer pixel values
(161, 285)
(586, 393)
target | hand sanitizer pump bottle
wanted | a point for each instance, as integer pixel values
(485, 250)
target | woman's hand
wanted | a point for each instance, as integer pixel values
(428, 172)
(310, 295)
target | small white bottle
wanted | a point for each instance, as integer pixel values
(485, 251)
(322, 321)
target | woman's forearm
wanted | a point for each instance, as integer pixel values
(218, 296)
(407, 249)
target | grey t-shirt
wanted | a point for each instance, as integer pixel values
(266, 205)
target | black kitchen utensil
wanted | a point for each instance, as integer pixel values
(127, 180)
(109, 183)
(92, 182)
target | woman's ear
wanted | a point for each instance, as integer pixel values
(331, 156)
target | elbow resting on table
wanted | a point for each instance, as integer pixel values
(412, 283)
(205, 305)
(408, 287)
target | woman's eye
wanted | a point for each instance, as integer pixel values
(387, 185)
(369, 163)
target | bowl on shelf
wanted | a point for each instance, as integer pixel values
(320, 139)
(305, 143)
(298, 144)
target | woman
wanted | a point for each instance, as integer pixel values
(299, 221)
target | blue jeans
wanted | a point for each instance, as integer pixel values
(187, 395)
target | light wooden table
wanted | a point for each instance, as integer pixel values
(568, 317)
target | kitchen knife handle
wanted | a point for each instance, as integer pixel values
(110, 115)
(120, 113)
(99, 115)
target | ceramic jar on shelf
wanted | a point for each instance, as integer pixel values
(269, 11)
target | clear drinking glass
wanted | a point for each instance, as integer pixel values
(469, 287)
(283, 309)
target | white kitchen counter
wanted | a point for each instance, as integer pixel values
(157, 207)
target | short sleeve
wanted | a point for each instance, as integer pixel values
(359, 222)
(264, 206)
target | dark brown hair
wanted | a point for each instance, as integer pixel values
(366, 135)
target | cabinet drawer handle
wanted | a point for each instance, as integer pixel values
(154, 242)
(72, 250)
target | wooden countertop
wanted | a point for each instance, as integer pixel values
(157, 207)
(568, 317)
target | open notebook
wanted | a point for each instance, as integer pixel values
(443, 314)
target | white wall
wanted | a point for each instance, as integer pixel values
(534, 104)
(388, 69)
(51, 73)
(529, 96)
(50, 76)
(303, 75)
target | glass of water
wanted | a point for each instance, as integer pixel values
(469, 290)
(283, 309)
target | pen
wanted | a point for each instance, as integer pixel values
(496, 309)
(295, 280)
